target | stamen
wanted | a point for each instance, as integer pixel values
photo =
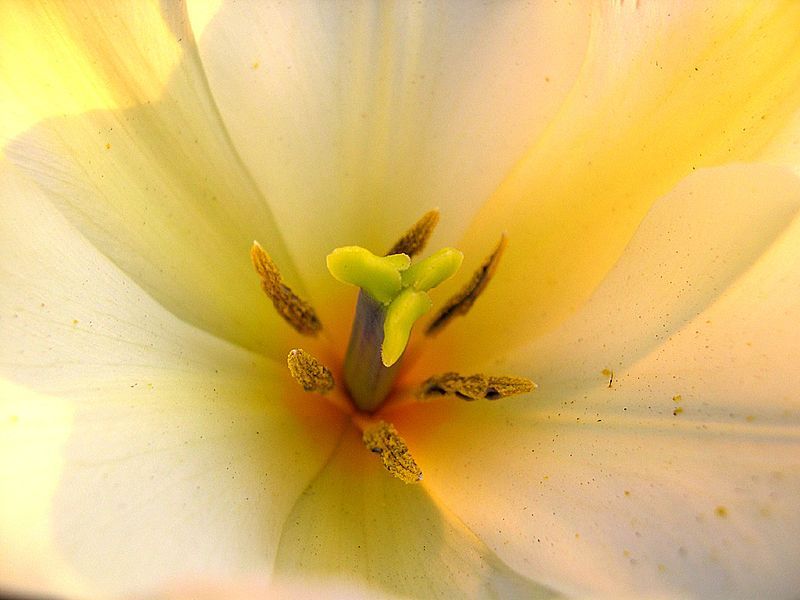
(414, 240)
(309, 372)
(383, 439)
(473, 387)
(463, 301)
(295, 311)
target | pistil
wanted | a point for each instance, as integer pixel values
(393, 296)
(368, 380)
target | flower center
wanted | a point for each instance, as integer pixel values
(393, 296)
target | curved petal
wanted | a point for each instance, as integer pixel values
(247, 588)
(153, 181)
(30, 466)
(388, 536)
(665, 89)
(680, 476)
(62, 59)
(693, 243)
(135, 448)
(356, 119)
(631, 505)
(784, 149)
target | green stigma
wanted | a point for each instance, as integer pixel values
(379, 276)
(394, 295)
(397, 284)
(400, 317)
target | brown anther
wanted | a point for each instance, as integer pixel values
(294, 310)
(414, 240)
(473, 387)
(463, 300)
(309, 372)
(383, 439)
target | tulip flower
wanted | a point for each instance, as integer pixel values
(621, 181)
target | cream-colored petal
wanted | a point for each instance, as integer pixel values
(147, 172)
(135, 448)
(665, 89)
(784, 148)
(692, 244)
(680, 475)
(258, 586)
(357, 525)
(356, 119)
(61, 58)
(696, 242)
(591, 500)
(30, 467)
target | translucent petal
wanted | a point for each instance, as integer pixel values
(135, 448)
(355, 121)
(694, 242)
(389, 537)
(593, 500)
(62, 59)
(147, 174)
(665, 89)
(258, 586)
(678, 473)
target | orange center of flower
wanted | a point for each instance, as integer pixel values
(392, 297)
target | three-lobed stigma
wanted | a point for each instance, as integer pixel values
(397, 285)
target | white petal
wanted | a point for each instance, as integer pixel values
(681, 478)
(357, 525)
(254, 586)
(666, 89)
(602, 504)
(152, 181)
(146, 448)
(61, 59)
(356, 118)
(694, 242)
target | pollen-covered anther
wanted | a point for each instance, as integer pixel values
(463, 300)
(309, 372)
(414, 240)
(295, 311)
(382, 438)
(473, 387)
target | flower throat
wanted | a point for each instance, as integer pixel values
(393, 296)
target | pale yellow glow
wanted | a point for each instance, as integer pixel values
(65, 68)
(201, 14)
(33, 431)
